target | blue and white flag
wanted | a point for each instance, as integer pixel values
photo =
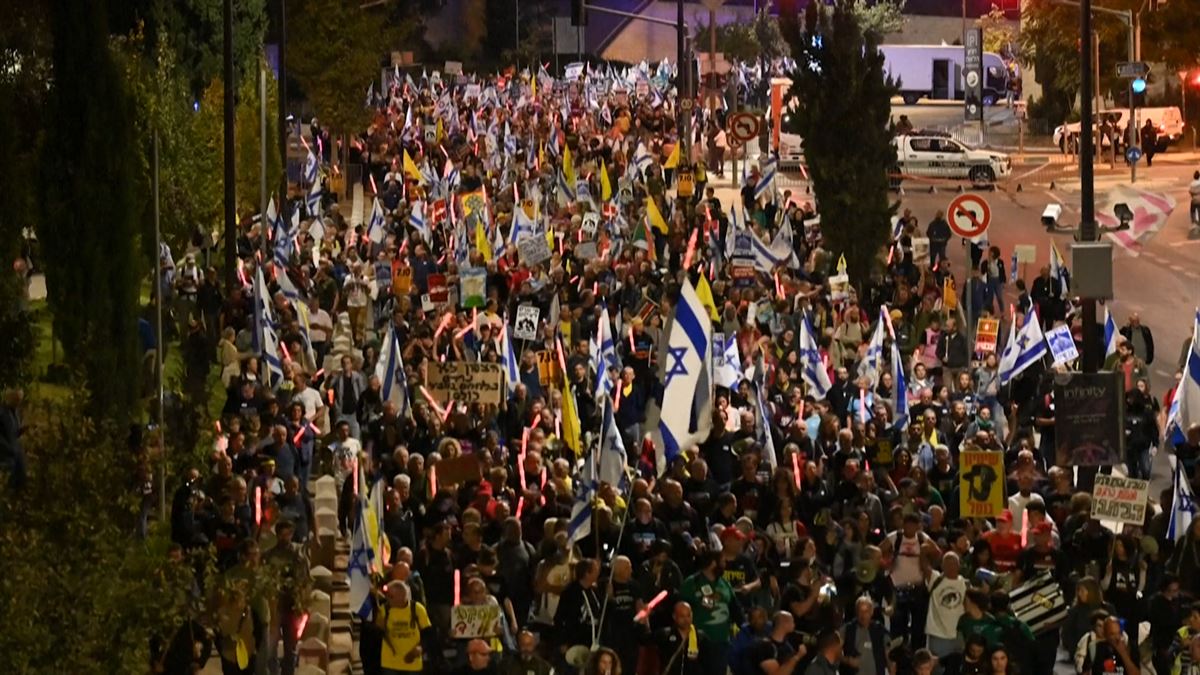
(766, 181)
(899, 388)
(512, 368)
(360, 562)
(872, 363)
(1059, 271)
(1025, 347)
(1185, 407)
(285, 238)
(522, 226)
(312, 201)
(611, 455)
(375, 231)
(604, 355)
(642, 159)
(266, 340)
(763, 429)
(685, 406)
(1183, 505)
(390, 371)
(814, 373)
(1110, 334)
(580, 524)
(312, 167)
(416, 218)
(510, 140)
(728, 370)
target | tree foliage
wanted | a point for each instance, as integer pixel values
(845, 100)
(745, 40)
(880, 18)
(999, 34)
(80, 593)
(340, 54)
(88, 170)
(248, 136)
(195, 29)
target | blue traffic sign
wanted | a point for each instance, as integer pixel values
(1133, 155)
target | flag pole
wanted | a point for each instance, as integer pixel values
(262, 141)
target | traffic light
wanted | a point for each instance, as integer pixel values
(578, 13)
(1138, 92)
(1139, 85)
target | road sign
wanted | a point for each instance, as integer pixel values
(1133, 155)
(744, 127)
(1132, 69)
(970, 216)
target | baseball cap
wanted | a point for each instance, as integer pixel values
(1005, 517)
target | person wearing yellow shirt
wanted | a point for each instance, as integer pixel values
(405, 627)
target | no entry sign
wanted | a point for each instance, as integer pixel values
(744, 127)
(969, 216)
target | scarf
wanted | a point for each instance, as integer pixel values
(693, 648)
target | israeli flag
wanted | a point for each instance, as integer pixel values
(1024, 347)
(390, 371)
(416, 218)
(1183, 506)
(763, 429)
(266, 341)
(814, 373)
(872, 364)
(728, 372)
(522, 226)
(312, 201)
(1185, 408)
(685, 406)
(1110, 334)
(1058, 270)
(360, 563)
(580, 524)
(375, 230)
(766, 182)
(284, 239)
(508, 356)
(510, 141)
(312, 167)
(899, 388)
(604, 355)
(611, 456)
(566, 191)
(642, 159)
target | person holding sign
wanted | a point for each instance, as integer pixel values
(407, 633)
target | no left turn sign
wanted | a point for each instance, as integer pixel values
(744, 127)
(969, 216)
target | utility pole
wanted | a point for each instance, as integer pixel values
(1087, 225)
(230, 188)
(160, 415)
(262, 138)
(284, 133)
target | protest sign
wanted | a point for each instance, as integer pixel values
(458, 470)
(1062, 345)
(474, 621)
(987, 332)
(439, 292)
(465, 382)
(533, 251)
(473, 284)
(586, 250)
(1119, 498)
(527, 322)
(981, 489)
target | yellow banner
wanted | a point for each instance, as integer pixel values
(981, 483)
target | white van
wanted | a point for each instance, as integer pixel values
(1168, 120)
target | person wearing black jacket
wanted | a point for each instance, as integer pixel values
(863, 633)
(952, 350)
(577, 619)
(939, 235)
(682, 649)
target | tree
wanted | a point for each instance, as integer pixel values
(999, 35)
(880, 18)
(1169, 34)
(79, 593)
(195, 28)
(745, 40)
(248, 134)
(88, 222)
(339, 56)
(845, 101)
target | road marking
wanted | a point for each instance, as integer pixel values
(1030, 172)
(1177, 268)
(1184, 242)
(1163, 373)
(1053, 196)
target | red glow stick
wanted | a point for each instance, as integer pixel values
(317, 375)
(217, 423)
(433, 487)
(691, 250)
(862, 405)
(447, 411)
(258, 499)
(302, 625)
(520, 506)
(1024, 529)
(457, 587)
(796, 468)
(330, 392)
(662, 595)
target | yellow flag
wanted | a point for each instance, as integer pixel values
(568, 166)
(481, 241)
(673, 158)
(541, 155)
(441, 131)
(704, 292)
(655, 216)
(570, 418)
(841, 264)
(411, 170)
(533, 85)
(605, 184)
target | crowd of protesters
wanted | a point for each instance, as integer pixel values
(844, 552)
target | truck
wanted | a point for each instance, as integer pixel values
(1168, 119)
(938, 155)
(935, 72)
